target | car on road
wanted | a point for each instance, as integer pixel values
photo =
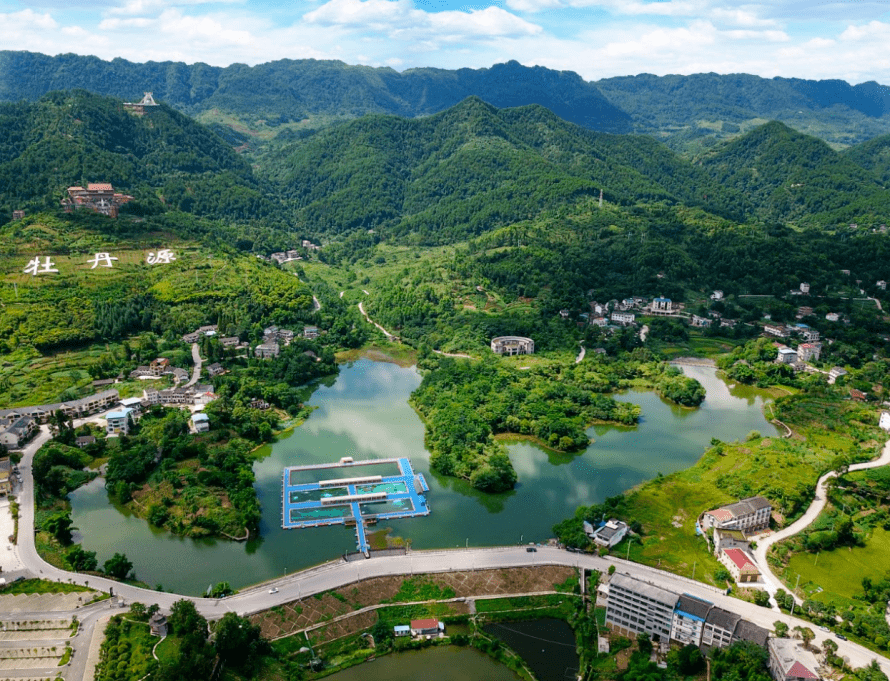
(841, 637)
(824, 628)
(273, 590)
(531, 549)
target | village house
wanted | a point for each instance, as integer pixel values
(215, 369)
(159, 366)
(5, 476)
(230, 341)
(804, 287)
(717, 295)
(786, 356)
(884, 420)
(858, 395)
(701, 322)
(78, 408)
(635, 607)
(267, 350)
(804, 311)
(777, 330)
(832, 317)
(788, 661)
(158, 625)
(728, 323)
(401, 630)
(310, 332)
(602, 322)
(882, 285)
(85, 441)
(835, 373)
(201, 422)
(749, 515)
(18, 214)
(262, 405)
(427, 627)
(719, 627)
(623, 318)
(118, 422)
(729, 539)
(662, 306)
(610, 533)
(689, 620)
(809, 351)
(18, 432)
(740, 565)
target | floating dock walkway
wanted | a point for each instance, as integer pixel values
(355, 499)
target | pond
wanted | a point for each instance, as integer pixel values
(450, 662)
(364, 413)
(547, 646)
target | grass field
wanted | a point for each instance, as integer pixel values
(841, 571)
(41, 586)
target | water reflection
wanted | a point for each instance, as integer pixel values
(364, 413)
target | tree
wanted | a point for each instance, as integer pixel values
(59, 525)
(238, 642)
(761, 598)
(829, 647)
(644, 643)
(184, 618)
(806, 635)
(80, 560)
(117, 566)
(781, 629)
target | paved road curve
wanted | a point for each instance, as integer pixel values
(339, 573)
(772, 582)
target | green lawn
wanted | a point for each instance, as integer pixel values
(41, 586)
(841, 571)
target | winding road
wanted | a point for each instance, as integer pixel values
(338, 573)
(772, 582)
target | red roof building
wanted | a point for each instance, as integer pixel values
(740, 565)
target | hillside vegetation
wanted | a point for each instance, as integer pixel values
(164, 159)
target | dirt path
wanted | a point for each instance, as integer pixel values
(386, 333)
(580, 354)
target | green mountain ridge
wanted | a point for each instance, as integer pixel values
(688, 112)
(473, 168)
(792, 177)
(76, 137)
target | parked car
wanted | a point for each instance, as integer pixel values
(531, 549)
(273, 590)
(841, 637)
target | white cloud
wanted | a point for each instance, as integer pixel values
(874, 30)
(400, 18)
(26, 19)
(132, 7)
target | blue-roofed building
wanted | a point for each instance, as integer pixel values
(201, 422)
(662, 305)
(118, 422)
(401, 630)
(689, 619)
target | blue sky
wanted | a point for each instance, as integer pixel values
(596, 38)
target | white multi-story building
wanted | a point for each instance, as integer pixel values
(512, 345)
(809, 351)
(790, 662)
(610, 534)
(689, 619)
(749, 515)
(623, 318)
(635, 606)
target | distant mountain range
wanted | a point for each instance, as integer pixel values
(689, 113)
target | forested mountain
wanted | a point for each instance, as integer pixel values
(708, 106)
(473, 168)
(288, 90)
(75, 137)
(789, 176)
(687, 112)
(873, 155)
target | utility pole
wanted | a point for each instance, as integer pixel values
(694, 565)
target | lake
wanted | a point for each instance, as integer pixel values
(364, 413)
(450, 662)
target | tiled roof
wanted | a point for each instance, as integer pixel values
(693, 607)
(100, 187)
(425, 624)
(741, 560)
(721, 514)
(799, 671)
(723, 619)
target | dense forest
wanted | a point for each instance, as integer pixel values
(688, 112)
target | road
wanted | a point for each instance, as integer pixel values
(581, 354)
(196, 371)
(386, 333)
(819, 501)
(339, 573)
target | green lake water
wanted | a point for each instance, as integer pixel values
(364, 414)
(449, 662)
